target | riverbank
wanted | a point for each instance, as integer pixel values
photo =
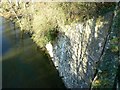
(83, 50)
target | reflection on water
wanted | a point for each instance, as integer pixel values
(22, 65)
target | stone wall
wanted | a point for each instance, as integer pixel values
(78, 48)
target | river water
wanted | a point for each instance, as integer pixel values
(24, 66)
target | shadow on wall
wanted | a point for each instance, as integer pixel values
(77, 50)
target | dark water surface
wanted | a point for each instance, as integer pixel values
(23, 66)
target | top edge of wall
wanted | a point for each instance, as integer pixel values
(60, 0)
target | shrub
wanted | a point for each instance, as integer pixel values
(52, 34)
(42, 18)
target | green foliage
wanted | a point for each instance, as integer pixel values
(42, 18)
(52, 34)
(103, 8)
(78, 11)
(114, 48)
(102, 83)
(114, 45)
(109, 64)
(106, 71)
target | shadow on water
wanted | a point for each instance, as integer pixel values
(23, 66)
